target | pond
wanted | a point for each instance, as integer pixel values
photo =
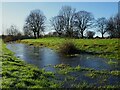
(42, 57)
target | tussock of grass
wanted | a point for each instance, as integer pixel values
(68, 48)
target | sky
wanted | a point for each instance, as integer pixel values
(16, 12)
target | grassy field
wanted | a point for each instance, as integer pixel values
(17, 74)
(108, 48)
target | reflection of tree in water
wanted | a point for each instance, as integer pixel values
(31, 51)
(36, 50)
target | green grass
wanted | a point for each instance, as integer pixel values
(101, 76)
(108, 48)
(17, 74)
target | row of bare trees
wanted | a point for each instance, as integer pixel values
(110, 26)
(13, 31)
(69, 23)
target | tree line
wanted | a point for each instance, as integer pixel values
(69, 23)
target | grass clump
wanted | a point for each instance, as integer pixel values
(68, 48)
(112, 62)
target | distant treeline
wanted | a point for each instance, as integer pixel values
(9, 38)
(68, 23)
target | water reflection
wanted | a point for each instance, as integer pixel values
(44, 56)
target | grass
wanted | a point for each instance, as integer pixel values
(17, 74)
(108, 48)
(112, 62)
(101, 77)
(68, 48)
(65, 69)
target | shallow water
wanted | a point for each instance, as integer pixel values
(43, 56)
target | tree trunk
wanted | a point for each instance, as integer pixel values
(102, 35)
(38, 34)
(82, 34)
(34, 35)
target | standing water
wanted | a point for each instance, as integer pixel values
(43, 56)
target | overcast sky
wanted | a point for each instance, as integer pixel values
(16, 12)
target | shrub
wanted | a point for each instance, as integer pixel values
(68, 48)
(8, 38)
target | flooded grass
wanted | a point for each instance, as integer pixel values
(96, 78)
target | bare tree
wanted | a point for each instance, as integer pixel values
(67, 13)
(36, 22)
(117, 25)
(83, 20)
(58, 24)
(113, 26)
(101, 25)
(12, 31)
(27, 31)
(90, 34)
